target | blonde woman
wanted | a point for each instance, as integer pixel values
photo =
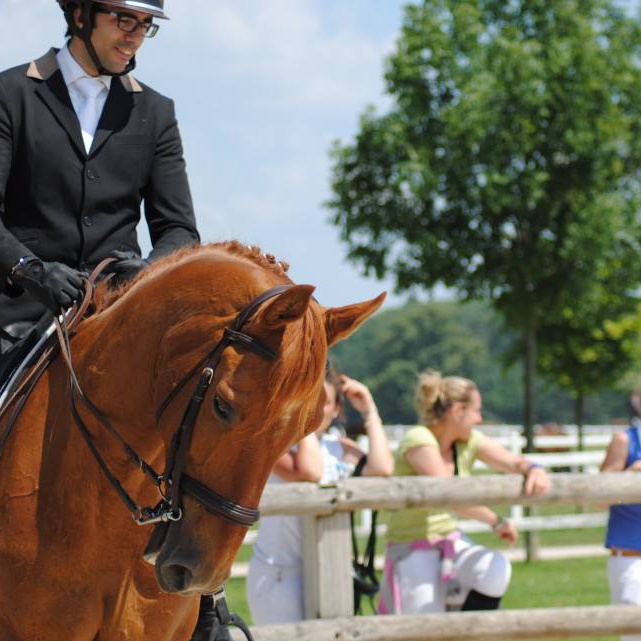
(427, 557)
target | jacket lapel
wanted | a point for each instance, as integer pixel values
(115, 114)
(53, 92)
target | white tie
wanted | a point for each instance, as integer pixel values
(90, 107)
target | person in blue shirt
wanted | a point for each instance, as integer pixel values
(623, 536)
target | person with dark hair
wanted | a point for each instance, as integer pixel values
(623, 535)
(83, 145)
(275, 579)
(428, 561)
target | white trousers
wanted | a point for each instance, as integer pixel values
(274, 594)
(624, 576)
(477, 568)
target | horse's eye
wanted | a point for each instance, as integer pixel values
(224, 411)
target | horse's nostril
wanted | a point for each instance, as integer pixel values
(176, 578)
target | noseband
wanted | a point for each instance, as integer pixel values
(173, 482)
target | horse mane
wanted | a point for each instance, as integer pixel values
(106, 295)
(304, 365)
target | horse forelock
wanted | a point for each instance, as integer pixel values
(302, 352)
(301, 363)
(105, 295)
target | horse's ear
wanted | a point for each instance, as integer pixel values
(340, 322)
(288, 306)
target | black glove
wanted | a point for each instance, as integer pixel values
(55, 285)
(126, 267)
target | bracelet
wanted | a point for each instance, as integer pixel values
(499, 524)
(531, 466)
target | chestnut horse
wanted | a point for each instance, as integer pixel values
(71, 558)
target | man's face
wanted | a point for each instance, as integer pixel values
(115, 48)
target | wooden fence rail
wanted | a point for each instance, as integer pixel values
(564, 460)
(327, 552)
(501, 625)
(416, 491)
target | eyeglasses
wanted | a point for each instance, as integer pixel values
(129, 24)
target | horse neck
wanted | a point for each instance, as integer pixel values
(115, 357)
(170, 313)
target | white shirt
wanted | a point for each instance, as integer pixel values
(279, 539)
(72, 71)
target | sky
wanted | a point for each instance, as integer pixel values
(262, 88)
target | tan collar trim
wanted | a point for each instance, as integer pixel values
(130, 84)
(44, 67)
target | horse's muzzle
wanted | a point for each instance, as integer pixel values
(179, 573)
(174, 577)
(178, 566)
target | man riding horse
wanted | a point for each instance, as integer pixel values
(82, 145)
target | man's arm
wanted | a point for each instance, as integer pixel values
(53, 284)
(168, 205)
(11, 249)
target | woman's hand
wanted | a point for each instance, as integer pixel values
(506, 530)
(537, 481)
(380, 461)
(358, 395)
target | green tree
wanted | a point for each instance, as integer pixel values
(389, 351)
(514, 135)
(407, 340)
(595, 338)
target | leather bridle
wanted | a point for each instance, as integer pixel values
(174, 481)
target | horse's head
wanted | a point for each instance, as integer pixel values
(261, 386)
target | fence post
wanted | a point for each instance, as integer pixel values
(516, 446)
(327, 566)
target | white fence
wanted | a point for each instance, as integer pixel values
(501, 625)
(328, 586)
(596, 439)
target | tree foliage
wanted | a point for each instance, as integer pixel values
(508, 166)
(454, 338)
(596, 337)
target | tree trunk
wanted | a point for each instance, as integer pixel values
(529, 378)
(579, 406)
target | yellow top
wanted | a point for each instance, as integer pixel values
(421, 523)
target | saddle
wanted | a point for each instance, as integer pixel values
(28, 342)
(31, 351)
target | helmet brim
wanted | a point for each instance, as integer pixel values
(136, 5)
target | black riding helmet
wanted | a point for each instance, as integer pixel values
(152, 7)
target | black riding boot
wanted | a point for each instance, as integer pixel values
(477, 601)
(16, 341)
(208, 626)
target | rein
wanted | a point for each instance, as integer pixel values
(173, 482)
(20, 386)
